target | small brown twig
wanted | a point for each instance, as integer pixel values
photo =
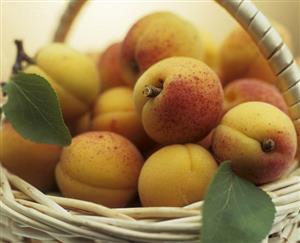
(21, 57)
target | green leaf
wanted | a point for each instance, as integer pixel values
(235, 210)
(33, 110)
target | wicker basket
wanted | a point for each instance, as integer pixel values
(26, 213)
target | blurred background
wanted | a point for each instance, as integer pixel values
(102, 22)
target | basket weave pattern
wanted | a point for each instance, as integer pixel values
(26, 212)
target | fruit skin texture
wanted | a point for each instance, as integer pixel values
(241, 58)
(176, 175)
(102, 167)
(154, 37)
(71, 74)
(33, 162)
(109, 66)
(189, 105)
(239, 136)
(243, 90)
(114, 111)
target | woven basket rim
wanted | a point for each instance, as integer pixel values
(71, 220)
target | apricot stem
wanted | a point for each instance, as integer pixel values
(21, 57)
(151, 91)
(268, 145)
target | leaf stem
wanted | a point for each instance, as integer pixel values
(21, 57)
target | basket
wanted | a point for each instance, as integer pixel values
(26, 213)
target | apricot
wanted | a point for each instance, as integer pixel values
(243, 90)
(154, 37)
(114, 111)
(109, 66)
(102, 167)
(259, 139)
(33, 162)
(211, 50)
(180, 100)
(72, 75)
(176, 175)
(241, 58)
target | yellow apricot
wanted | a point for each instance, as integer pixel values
(72, 74)
(188, 104)
(155, 37)
(34, 162)
(114, 111)
(101, 167)
(176, 175)
(258, 138)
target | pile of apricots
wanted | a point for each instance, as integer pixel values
(154, 115)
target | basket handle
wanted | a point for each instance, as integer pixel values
(273, 49)
(261, 31)
(65, 23)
